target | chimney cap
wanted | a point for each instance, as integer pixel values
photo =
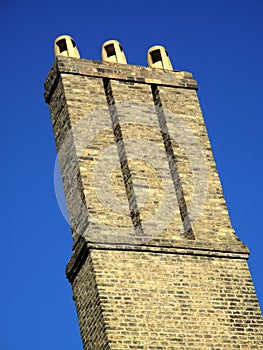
(64, 45)
(157, 57)
(112, 51)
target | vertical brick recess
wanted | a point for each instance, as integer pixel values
(156, 263)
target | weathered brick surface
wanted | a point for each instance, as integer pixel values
(213, 222)
(160, 266)
(143, 128)
(89, 308)
(162, 301)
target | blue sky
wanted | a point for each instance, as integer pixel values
(219, 41)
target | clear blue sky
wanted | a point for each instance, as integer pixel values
(219, 41)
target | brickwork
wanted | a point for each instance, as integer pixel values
(214, 223)
(156, 262)
(89, 308)
(162, 301)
